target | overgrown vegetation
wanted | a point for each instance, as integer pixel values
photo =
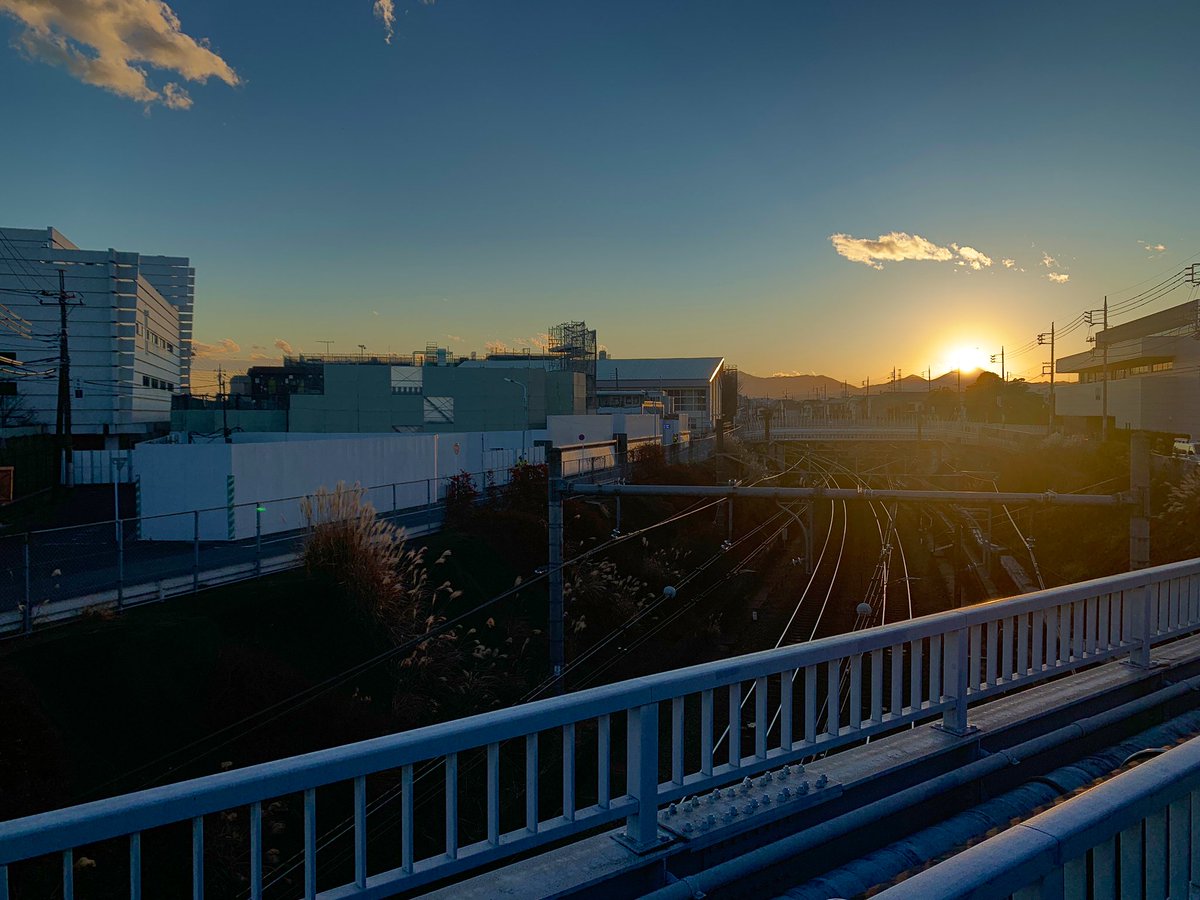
(368, 564)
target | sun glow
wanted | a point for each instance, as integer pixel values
(967, 358)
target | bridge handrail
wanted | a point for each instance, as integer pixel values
(1050, 852)
(953, 658)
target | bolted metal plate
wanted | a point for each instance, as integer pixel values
(724, 812)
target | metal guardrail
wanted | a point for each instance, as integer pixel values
(893, 675)
(1135, 835)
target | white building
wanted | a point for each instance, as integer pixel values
(1153, 375)
(129, 327)
(693, 384)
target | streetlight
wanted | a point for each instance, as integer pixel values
(117, 462)
(362, 351)
(525, 400)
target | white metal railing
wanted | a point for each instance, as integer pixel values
(1134, 836)
(884, 678)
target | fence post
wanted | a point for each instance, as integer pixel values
(554, 521)
(258, 511)
(27, 614)
(641, 828)
(393, 496)
(120, 565)
(956, 672)
(195, 550)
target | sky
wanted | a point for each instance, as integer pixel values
(831, 188)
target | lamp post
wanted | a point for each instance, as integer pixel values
(525, 400)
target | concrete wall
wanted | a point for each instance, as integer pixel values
(176, 479)
(1162, 402)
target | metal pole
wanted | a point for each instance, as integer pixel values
(618, 530)
(195, 550)
(27, 613)
(555, 521)
(258, 509)
(729, 521)
(116, 500)
(1104, 384)
(1139, 484)
(393, 496)
(120, 566)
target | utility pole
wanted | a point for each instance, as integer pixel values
(62, 415)
(1088, 317)
(1042, 339)
(224, 398)
(1001, 355)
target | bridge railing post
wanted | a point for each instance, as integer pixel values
(1142, 622)
(955, 681)
(641, 828)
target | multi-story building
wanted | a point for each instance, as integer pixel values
(1152, 372)
(130, 334)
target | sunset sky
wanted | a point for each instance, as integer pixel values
(830, 188)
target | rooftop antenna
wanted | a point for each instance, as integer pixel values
(327, 345)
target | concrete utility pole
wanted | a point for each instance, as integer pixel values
(1001, 355)
(62, 415)
(1088, 317)
(1043, 338)
(224, 397)
(1139, 485)
(555, 522)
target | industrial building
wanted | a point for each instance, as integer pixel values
(129, 323)
(382, 395)
(694, 386)
(1148, 368)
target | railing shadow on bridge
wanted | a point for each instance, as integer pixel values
(935, 667)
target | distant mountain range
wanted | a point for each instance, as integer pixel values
(802, 387)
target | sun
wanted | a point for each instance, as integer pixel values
(967, 358)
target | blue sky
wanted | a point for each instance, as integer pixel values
(671, 172)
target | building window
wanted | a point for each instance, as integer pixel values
(439, 411)
(145, 381)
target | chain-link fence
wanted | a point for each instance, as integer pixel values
(57, 574)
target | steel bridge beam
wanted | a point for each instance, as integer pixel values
(822, 493)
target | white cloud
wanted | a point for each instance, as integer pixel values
(385, 11)
(898, 246)
(973, 257)
(1008, 263)
(283, 345)
(1049, 261)
(106, 42)
(222, 348)
(1153, 249)
(895, 246)
(1059, 277)
(455, 338)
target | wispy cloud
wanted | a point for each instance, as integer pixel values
(1153, 249)
(106, 43)
(1008, 263)
(1058, 277)
(455, 338)
(222, 348)
(283, 345)
(900, 246)
(972, 257)
(385, 11)
(1049, 261)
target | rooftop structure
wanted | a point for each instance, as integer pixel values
(693, 384)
